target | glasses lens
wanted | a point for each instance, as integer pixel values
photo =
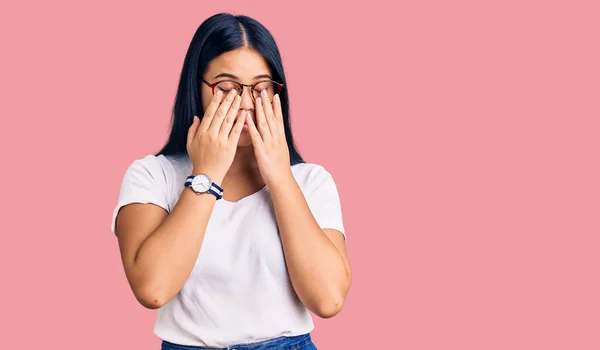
(265, 85)
(227, 86)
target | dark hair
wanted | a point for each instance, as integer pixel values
(216, 35)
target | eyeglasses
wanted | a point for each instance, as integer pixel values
(271, 86)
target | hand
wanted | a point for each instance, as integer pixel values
(212, 143)
(270, 145)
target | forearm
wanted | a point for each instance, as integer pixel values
(317, 269)
(167, 256)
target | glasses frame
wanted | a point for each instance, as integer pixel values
(278, 86)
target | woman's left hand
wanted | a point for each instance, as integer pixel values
(270, 145)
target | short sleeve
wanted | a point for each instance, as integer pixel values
(144, 182)
(324, 201)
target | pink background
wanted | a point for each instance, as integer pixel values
(477, 124)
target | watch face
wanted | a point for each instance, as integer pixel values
(200, 183)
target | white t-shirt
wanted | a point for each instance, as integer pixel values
(239, 289)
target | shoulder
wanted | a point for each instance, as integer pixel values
(175, 164)
(160, 167)
(308, 170)
(310, 175)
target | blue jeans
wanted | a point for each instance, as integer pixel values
(299, 342)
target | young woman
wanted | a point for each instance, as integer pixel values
(227, 231)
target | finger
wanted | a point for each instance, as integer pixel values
(261, 120)
(236, 131)
(268, 108)
(230, 117)
(278, 111)
(211, 110)
(193, 129)
(217, 120)
(257, 141)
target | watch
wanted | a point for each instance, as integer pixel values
(201, 183)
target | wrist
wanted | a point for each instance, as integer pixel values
(283, 181)
(214, 176)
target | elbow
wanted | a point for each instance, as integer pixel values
(330, 308)
(150, 299)
(330, 303)
(151, 303)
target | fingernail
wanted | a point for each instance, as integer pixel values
(258, 100)
(219, 93)
(277, 97)
(264, 92)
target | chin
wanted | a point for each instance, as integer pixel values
(244, 140)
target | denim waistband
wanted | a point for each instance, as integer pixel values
(280, 343)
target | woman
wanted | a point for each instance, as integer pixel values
(227, 231)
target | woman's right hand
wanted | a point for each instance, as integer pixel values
(212, 143)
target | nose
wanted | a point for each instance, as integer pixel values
(247, 103)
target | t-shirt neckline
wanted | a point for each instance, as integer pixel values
(246, 198)
(263, 189)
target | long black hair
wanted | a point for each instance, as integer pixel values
(216, 35)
